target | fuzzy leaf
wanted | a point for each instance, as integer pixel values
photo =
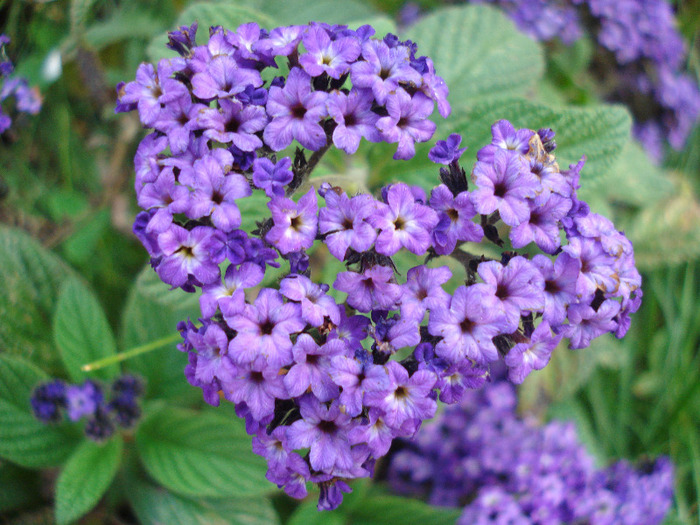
(479, 52)
(329, 11)
(82, 333)
(200, 454)
(394, 510)
(85, 478)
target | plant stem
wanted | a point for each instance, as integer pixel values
(132, 352)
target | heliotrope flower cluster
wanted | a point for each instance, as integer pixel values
(641, 54)
(513, 470)
(104, 409)
(27, 100)
(324, 384)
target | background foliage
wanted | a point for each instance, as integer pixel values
(76, 287)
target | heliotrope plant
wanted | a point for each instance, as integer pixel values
(325, 385)
(27, 99)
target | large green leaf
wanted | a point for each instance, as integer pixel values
(20, 488)
(152, 312)
(330, 11)
(23, 439)
(155, 505)
(30, 277)
(479, 53)
(200, 454)
(82, 333)
(385, 509)
(598, 132)
(85, 478)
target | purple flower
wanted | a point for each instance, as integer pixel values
(323, 429)
(354, 118)
(324, 55)
(229, 297)
(468, 325)
(315, 304)
(343, 222)
(357, 376)
(258, 389)
(503, 185)
(296, 112)
(213, 362)
(372, 289)
(185, 254)
(423, 291)
(47, 401)
(532, 354)
(560, 279)
(83, 400)
(505, 137)
(177, 120)
(403, 222)
(311, 369)
(456, 379)
(407, 122)
(234, 123)
(518, 287)
(223, 78)
(587, 323)
(272, 177)
(542, 226)
(264, 329)
(447, 151)
(281, 41)
(350, 330)
(455, 214)
(295, 224)
(165, 198)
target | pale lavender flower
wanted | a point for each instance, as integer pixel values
(354, 118)
(185, 254)
(343, 222)
(407, 122)
(373, 289)
(315, 303)
(234, 123)
(423, 291)
(295, 224)
(223, 78)
(533, 354)
(324, 55)
(311, 369)
(272, 177)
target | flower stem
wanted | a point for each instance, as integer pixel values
(132, 352)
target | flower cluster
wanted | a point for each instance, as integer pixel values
(642, 46)
(27, 100)
(324, 384)
(103, 415)
(514, 471)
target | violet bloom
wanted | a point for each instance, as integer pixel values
(315, 303)
(343, 222)
(258, 389)
(503, 185)
(423, 291)
(393, 333)
(350, 330)
(378, 434)
(542, 226)
(373, 289)
(295, 224)
(456, 379)
(597, 267)
(263, 331)
(436, 89)
(234, 123)
(323, 429)
(403, 222)
(407, 122)
(518, 287)
(468, 325)
(273, 447)
(272, 177)
(296, 112)
(213, 362)
(354, 118)
(185, 254)
(165, 198)
(281, 41)
(505, 137)
(382, 69)
(560, 279)
(229, 297)
(324, 55)
(533, 354)
(311, 369)
(357, 376)
(48, 398)
(586, 323)
(177, 120)
(407, 397)
(447, 151)
(223, 78)
(83, 400)
(215, 194)
(455, 224)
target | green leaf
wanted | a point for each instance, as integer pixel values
(208, 14)
(155, 505)
(85, 478)
(81, 332)
(394, 510)
(307, 514)
(329, 11)
(479, 53)
(20, 488)
(31, 277)
(152, 312)
(128, 22)
(23, 439)
(598, 132)
(200, 454)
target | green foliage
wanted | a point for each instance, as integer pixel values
(20, 488)
(82, 333)
(24, 440)
(478, 52)
(154, 505)
(85, 478)
(31, 277)
(151, 313)
(200, 454)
